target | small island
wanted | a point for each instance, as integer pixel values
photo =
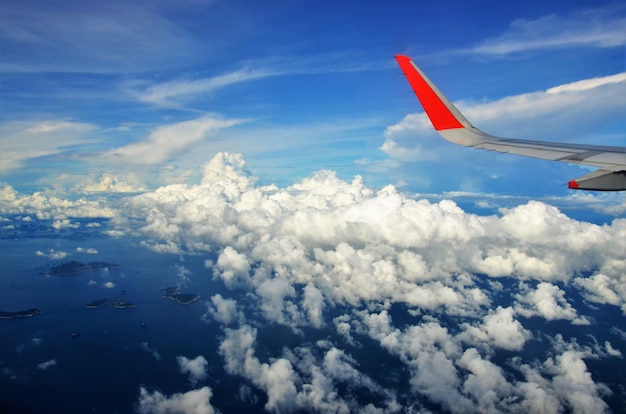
(78, 267)
(20, 314)
(114, 302)
(182, 298)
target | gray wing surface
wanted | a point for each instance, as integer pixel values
(454, 127)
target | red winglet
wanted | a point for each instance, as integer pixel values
(439, 114)
(573, 184)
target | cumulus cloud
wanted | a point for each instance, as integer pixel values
(64, 224)
(196, 368)
(566, 378)
(223, 310)
(52, 254)
(500, 329)
(45, 365)
(87, 250)
(612, 351)
(49, 206)
(326, 253)
(111, 184)
(302, 379)
(606, 287)
(548, 301)
(342, 235)
(191, 402)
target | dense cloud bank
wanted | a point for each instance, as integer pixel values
(45, 206)
(327, 254)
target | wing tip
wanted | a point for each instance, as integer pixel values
(441, 112)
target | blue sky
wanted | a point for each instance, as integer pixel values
(106, 97)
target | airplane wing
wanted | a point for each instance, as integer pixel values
(454, 127)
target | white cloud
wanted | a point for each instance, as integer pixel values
(548, 301)
(153, 352)
(25, 140)
(223, 310)
(170, 93)
(109, 285)
(234, 264)
(191, 402)
(167, 92)
(88, 250)
(196, 368)
(601, 27)
(302, 379)
(500, 329)
(573, 382)
(276, 378)
(111, 184)
(183, 275)
(486, 382)
(47, 205)
(64, 224)
(45, 365)
(52, 254)
(169, 141)
(313, 305)
(612, 351)
(353, 244)
(606, 286)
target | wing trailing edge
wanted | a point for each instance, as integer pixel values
(454, 127)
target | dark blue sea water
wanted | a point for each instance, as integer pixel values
(102, 369)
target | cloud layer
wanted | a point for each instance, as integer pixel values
(330, 254)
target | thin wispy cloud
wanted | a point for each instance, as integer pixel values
(114, 36)
(170, 93)
(21, 141)
(45, 365)
(169, 141)
(586, 28)
(167, 92)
